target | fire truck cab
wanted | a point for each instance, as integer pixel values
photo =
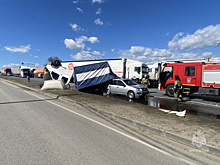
(202, 77)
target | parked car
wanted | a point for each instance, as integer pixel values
(127, 87)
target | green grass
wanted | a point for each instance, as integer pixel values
(23, 82)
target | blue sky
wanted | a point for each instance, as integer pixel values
(145, 30)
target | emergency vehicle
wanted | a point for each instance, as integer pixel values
(202, 77)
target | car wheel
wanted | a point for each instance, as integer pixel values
(108, 92)
(131, 95)
(170, 90)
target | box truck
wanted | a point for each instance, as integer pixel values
(6, 71)
(21, 71)
(122, 67)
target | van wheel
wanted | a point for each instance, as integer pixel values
(131, 95)
(170, 90)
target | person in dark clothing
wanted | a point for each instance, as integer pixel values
(28, 76)
(177, 88)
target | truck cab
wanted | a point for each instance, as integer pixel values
(136, 70)
(189, 73)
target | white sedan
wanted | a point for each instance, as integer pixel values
(127, 87)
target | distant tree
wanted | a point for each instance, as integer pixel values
(52, 59)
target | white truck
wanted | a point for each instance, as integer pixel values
(153, 72)
(122, 67)
(22, 71)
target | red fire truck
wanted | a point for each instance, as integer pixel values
(201, 77)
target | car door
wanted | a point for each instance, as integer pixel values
(121, 88)
(113, 87)
(189, 78)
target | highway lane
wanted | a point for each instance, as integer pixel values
(40, 130)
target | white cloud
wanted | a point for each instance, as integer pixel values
(76, 27)
(147, 51)
(98, 22)
(33, 56)
(11, 65)
(99, 11)
(76, 2)
(136, 49)
(161, 53)
(98, 1)
(207, 54)
(201, 39)
(179, 47)
(73, 45)
(88, 48)
(14, 65)
(21, 49)
(81, 39)
(78, 43)
(93, 40)
(112, 50)
(174, 42)
(87, 55)
(79, 9)
(150, 56)
(98, 54)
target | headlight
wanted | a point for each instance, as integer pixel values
(138, 89)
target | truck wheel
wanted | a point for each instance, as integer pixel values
(131, 95)
(170, 90)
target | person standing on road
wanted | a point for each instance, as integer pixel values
(177, 88)
(28, 76)
(145, 81)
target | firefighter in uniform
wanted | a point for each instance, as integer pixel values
(145, 81)
(177, 88)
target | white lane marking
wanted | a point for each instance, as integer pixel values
(119, 132)
(10, 84)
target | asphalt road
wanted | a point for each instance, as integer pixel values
(36, 129)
